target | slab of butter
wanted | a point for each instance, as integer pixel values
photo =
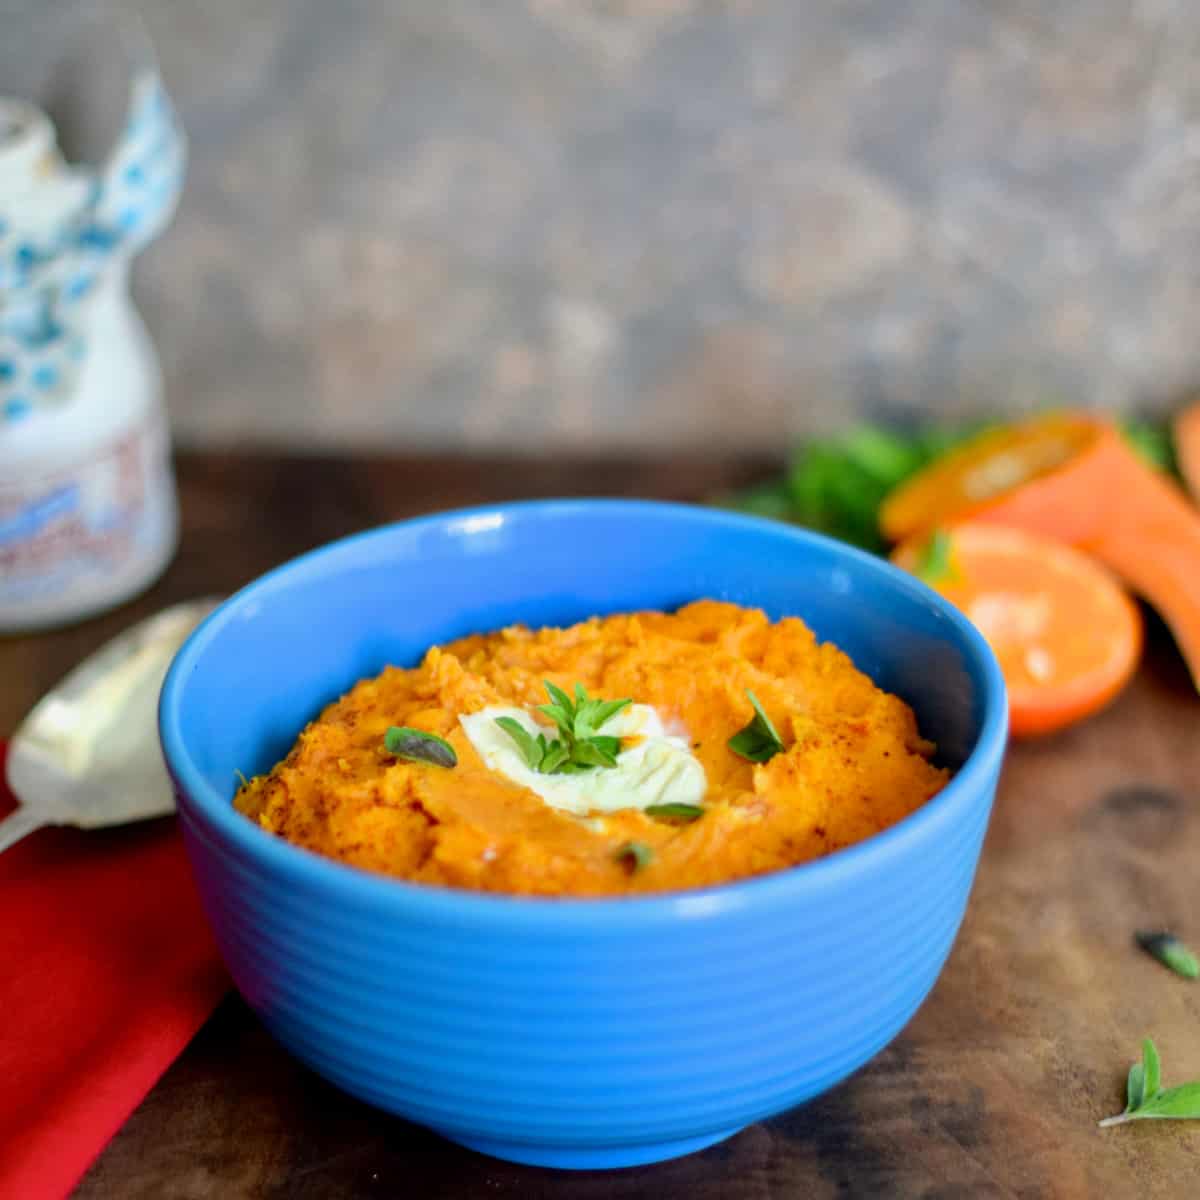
(659, 768)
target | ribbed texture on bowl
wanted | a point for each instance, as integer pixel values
(575, 1033)
(591, 1041)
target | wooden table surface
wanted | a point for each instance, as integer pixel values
(995, 1087)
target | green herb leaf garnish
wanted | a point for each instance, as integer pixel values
(759, 741)
(581, 747)
(533, 749)
(243, 782)
(1171, 952)
(579, 719)
(935, 564)
(1145, 1098)
(674, 811)
(418, 746)
(597, 751)
(554, 756)
(635, 855)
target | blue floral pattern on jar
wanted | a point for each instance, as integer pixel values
(49, 278)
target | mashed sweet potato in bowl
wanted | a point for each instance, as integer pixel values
(585, 832)
(687, 808)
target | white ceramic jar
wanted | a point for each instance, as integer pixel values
(87, 500)
(88, 514)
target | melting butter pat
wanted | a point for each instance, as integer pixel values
(660, 768)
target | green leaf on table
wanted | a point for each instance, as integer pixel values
(1135, 1087)
(1151, 1070)
(1170, 951)
(1145, 1099)
(759, 741)
(416, 745)
(1178, 1103)
(883, 454)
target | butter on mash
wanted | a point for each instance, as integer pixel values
(740, 747)
(656, 769)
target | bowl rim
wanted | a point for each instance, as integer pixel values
(575, 914)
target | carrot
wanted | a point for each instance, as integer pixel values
(1066, 634)
(1074, 478)
(969, 477)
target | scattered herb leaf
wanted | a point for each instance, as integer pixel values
(759, 741)
(581, 747)
(674, 811)
(1171, 952)
(418, 746)
(1151, 1070)
(242, 780)
(1178, 1103)
(935, 564)
(1135, 1087)
(1147, 1101)
(635, 855)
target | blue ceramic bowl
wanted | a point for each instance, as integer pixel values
(575, 1033)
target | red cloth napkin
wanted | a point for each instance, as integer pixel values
(107, 969)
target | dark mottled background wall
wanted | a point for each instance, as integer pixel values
(533, 223)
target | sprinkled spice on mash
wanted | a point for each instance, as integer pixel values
(641, 752)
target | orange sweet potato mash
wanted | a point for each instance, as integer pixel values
(854, 762)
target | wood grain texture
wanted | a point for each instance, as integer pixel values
(993, 1090)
